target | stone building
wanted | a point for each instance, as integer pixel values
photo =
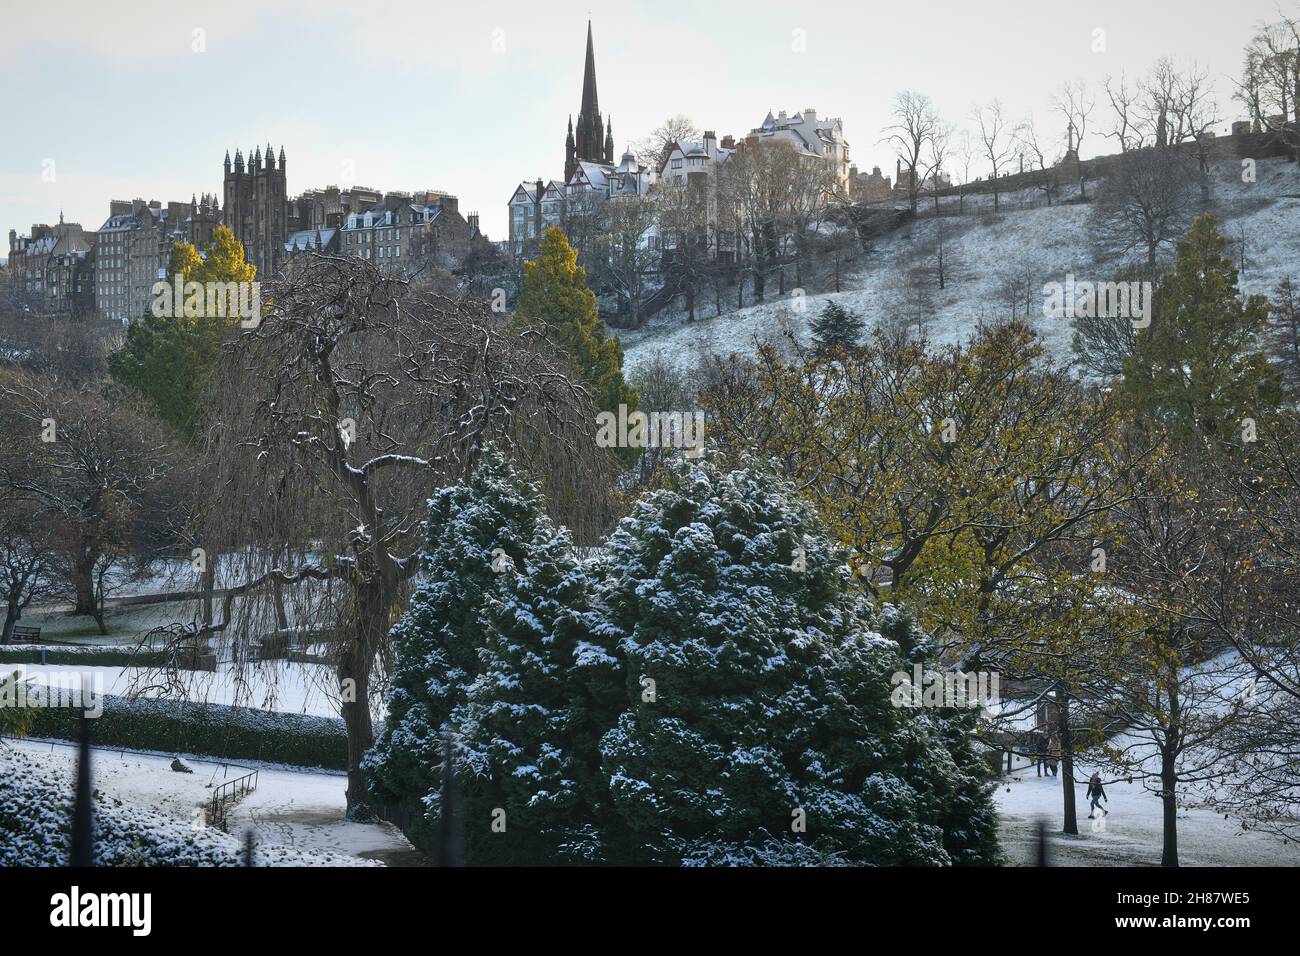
(329, 208)
(53, 269)
(811, 136)
(134, 246)
(404, 232)
(590, 175)
(256, 207)
(869, 187)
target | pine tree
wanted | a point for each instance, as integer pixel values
(556, 298)
(837, 328)
(763, 694)
(547, 691)
(1195, 370)
(475, 532)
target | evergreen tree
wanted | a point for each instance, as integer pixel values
(475, 532)
(556, 298)
(763, 694)
(167, 358)
(1195, 369)
(547, 690)
(837, 328)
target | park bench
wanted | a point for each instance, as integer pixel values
(25, 635)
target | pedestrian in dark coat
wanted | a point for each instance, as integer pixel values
(1096, 793)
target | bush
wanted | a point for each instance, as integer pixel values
(212, 730)
(36, 820)
(82, 656)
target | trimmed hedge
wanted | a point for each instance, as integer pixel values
(205, 730)
(82, 656)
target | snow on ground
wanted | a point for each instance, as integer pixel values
(273, 685)
(1131, 833)
(299, 809)
(1133, 829)
(988, 250)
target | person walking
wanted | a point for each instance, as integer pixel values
(1096, 793)
(1040, 753)
(1053, 753)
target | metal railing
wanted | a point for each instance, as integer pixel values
(227, 793)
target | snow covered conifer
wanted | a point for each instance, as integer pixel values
(761, 728)
(475, 532)
(547, 691)
(837, 328)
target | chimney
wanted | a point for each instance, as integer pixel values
(710, 143)
(728, 142)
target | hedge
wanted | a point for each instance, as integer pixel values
(82, 656)
(205, 730)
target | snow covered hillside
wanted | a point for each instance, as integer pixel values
(1026, 242)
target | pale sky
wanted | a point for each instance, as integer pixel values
(111, 100)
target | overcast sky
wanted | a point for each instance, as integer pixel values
(474, 97)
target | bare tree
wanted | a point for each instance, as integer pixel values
(1127, 126)
(1075, 104)
(964, 152)
(914, 126)
(624, 254)
(1146, 203)
(1027, 139)
(995, 140)
(331, 423)
(30, 564)
(758, 185)
(100, 473)
(654, 149)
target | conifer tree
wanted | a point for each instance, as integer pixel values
(476, 532)
(1196, 369)
(547, 690)
(556, 298)
(167, 358)
(837, 328)
(762, 727)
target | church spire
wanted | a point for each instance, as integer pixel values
(589, 139)
(590, 102)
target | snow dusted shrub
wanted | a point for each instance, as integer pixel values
(548, 689)
(36, 821)
(474, 532)
(761, 729)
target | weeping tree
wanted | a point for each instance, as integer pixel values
(330, 425)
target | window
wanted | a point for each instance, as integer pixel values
(677, 164)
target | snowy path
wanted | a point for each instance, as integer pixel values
(298, 808)
(1133, 829)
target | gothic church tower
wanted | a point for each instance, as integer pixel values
(592, 141)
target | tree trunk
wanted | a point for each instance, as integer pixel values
(1071, 822)
(1168, 783)
(354, 669)
(83, 581)
(354, 678)
(12, 614)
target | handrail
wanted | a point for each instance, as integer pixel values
(237, 788)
